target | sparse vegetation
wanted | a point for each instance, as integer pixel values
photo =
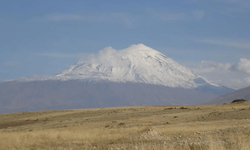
(239, 101)
(217, 127)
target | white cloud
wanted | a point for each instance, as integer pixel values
(234, 6)
(243, 65)
(237, 3)
(176, 16)
(126, 18)
(110, 57)
(64, 17)
(64, 55)
(232, 75)
(116, 17)
(227, 42)
(198, 15)
(210, 66)
(169, 16)
(225, 7)
(11, 63)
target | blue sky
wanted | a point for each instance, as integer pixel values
(43, 37)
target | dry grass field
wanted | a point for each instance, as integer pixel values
(212, 127)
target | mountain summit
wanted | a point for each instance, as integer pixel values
(137, 63)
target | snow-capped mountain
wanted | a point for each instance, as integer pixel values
(137, 63)
(137, 75)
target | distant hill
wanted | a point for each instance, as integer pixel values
(54, 94)
(239, 94)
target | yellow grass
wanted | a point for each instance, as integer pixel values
(218, 127)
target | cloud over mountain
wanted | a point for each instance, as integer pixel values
(232, 75)
(243, 65)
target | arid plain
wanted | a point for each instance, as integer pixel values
(204, 127)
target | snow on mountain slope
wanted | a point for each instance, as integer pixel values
(137, 63)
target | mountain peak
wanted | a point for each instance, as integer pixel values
(139, 47)
(135, 48)
(137, 63)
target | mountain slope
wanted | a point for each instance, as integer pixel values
(239, 94)
(73, 94)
